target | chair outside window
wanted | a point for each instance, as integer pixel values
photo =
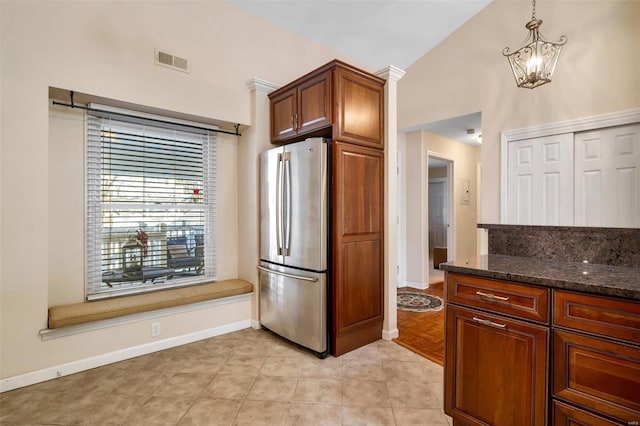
(181, 257)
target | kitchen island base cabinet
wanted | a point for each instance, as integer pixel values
(495, 369)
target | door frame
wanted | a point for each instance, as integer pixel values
(451, 211)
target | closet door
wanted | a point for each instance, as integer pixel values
(607, 177)
(540, 181)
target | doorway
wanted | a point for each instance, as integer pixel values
(439, 212)
(433, 154)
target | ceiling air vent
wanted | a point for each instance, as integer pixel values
(174, 62)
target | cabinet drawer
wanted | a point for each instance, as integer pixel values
(498, 296)
(566, 415)
(597, 374)
(615, 318)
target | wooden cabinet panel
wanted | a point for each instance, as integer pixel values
(314, 105)
(499, 296)
(360, 110)
(612, 318)
(495, 369)
(283, 110)
(361, 191)
(357, 199)
(566, 415)
(598, 374)
(360, 284)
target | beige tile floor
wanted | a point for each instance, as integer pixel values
(248, 377)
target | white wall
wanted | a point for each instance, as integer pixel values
(106, 49)
(597, 73)
(417, 147)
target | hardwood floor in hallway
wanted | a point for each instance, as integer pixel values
(423, 332)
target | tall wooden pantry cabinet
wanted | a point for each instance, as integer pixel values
(346, 105)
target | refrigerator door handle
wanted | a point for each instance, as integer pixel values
(284, 274)
(287, 229)
(279, 189)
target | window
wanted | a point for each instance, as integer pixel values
(150, 205)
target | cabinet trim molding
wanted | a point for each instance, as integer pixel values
(593, 122)
(391, 73)
(261, 85)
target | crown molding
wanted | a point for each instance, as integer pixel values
(391, 73)
(261, 85)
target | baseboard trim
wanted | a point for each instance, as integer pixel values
(419, 286)
(255, 324)
(43, 375)
(390, 334)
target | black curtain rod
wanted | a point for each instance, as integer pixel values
(72, 105)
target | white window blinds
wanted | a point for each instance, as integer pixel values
(150, 205)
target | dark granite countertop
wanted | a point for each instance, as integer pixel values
(604, 280)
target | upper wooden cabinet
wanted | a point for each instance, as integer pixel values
(336, 101)
(301, 109)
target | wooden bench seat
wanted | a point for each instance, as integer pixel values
(79, 313)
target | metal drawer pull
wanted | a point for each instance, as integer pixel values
(491, 296)
(490, 323)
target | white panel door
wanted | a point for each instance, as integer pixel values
(437, 214)
(539, 177)
(607, 177)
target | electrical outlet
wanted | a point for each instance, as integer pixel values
(155, 329)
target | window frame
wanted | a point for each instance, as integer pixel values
(95, 117)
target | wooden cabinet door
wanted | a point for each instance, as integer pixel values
(357, 197)
(598, 374)
(314, 104)
(283, 112)
(360, 109)
(495, 369)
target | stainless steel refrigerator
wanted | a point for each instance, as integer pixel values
(293, 242)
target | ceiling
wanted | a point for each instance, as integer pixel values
(377, 33)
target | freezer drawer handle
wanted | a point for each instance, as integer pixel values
(297, 277)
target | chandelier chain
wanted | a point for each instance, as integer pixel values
(533, 12)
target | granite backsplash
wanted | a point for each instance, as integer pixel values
(604, 246)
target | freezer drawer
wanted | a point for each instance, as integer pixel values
(293, 305)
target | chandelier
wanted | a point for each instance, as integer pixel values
(534, 63)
